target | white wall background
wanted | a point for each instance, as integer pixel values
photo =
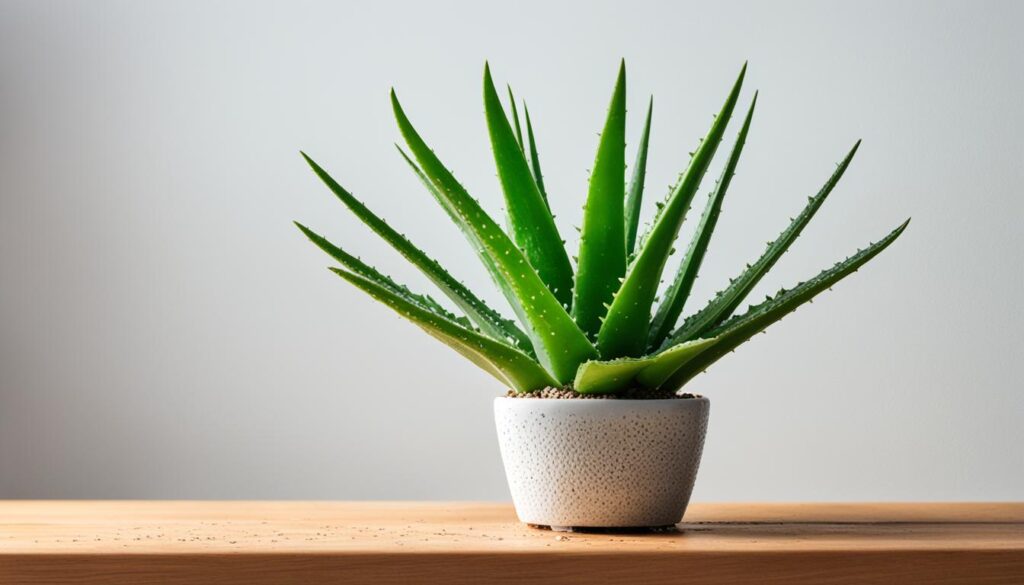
(165, 332)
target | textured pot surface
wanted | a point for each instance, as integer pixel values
(601, 463)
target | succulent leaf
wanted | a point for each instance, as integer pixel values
(515, 114)
(597, 333)
(625, 329)
(670, 360)
(530, 220)
(535, 159)
(609, 376)
(602, 252)
(739, 329)
(635, 191)
(492, 268)
(677, 293)
(503, 361)
(363, 269)
(490, 321)
(560, 345)
(724, 303)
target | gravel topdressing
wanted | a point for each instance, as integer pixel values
(632, 394)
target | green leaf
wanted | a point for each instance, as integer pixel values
(602, 255)
(359, 267)
(606, 377)
(489, 320)
(530, 221)
(739, 329)
(635, 192)
(507, 364)
(625, 329)
(670, 360)
(489, 264)
(725, 302)
(535, 159)
(558, 342)
(515, 114)
(675, 297)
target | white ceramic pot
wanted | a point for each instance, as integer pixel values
(600, 463)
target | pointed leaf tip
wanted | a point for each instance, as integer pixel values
(602, 251)
(676, 295)
(626, 328)
(723, 304)
(529, 218)
(559, 343)
(740, 328)
(504, 362)
(492, 323)
(634, 192)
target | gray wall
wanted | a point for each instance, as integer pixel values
(166, 333)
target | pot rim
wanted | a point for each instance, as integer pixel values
(618, 401)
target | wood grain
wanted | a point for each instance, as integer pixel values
(456, 543)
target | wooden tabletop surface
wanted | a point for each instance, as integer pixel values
(144, 542)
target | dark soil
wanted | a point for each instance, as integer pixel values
(631, 394)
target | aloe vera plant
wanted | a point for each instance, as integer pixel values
(598, 327)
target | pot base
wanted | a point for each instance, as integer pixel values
(602, 530)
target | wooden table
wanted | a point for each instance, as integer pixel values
(474, 543)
